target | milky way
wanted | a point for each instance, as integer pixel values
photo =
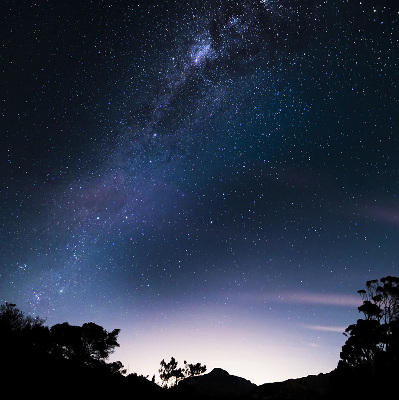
(225, 170)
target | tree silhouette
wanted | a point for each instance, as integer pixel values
(89, 344)
(14, 320)
(171, 375)
(116, 367)
(193, 369)
(375, 337)
(22, 336)
(369, 363)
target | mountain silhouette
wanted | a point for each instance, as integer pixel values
(219, 384)
(311, 387)
(216, 384)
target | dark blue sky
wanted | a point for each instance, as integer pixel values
(217, 179)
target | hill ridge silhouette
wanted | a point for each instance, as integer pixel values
(219, 384)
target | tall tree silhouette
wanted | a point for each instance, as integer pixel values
(374, 339)
(369, 363)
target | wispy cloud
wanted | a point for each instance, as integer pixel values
(381, 213)
(323, 328)
(306, 298)
(320, 298)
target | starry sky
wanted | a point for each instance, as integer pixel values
(215, 178)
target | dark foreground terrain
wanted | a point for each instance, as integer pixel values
(64, 380)
(218, 384)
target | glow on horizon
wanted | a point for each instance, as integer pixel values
(261, 351)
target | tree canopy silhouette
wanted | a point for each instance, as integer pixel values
(90, 343)
(21, 335)
(374, 339)
(63, 347)
(171, 375)
(193, 369)
(14, 320)
(369, 360)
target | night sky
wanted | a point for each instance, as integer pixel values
(215, 178)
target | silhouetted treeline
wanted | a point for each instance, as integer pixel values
(68, 360)
(71, 360)
(62, 360)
